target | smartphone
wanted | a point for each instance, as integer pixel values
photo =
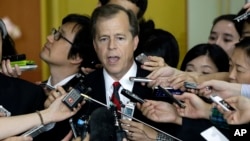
(132, 95)
(4, 111)
(171, 97)
(141, 58)
(140, 79)
(12, 58)
(128, 111)
(190, 85)
(217, 99)
(159, 93)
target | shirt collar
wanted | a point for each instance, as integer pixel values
(124, 81)
(62, 82)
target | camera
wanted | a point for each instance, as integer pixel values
(74, 88)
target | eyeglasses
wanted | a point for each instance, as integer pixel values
(58, 35)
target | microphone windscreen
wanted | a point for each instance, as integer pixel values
(102, 125)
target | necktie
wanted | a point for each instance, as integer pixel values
(115, 96)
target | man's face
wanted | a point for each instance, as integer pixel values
(126, 4)
(56, 52)
(114, 44)
(239, 71)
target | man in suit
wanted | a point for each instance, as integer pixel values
(115, 38)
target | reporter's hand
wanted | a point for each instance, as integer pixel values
(8, 70)
(195, 107)
(247, 6)
(222, 88)
(161, 75)
(58, 111)
(52, 95)
(18, 138)
(159, 111)
(138, 131)
(153, 63)
(177, 81)
(241, 115)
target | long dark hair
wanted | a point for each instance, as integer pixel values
(213, 51)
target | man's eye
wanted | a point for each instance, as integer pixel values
(103, 39)
(120, 38)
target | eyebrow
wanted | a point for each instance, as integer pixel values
(207, 66)
(226, 34)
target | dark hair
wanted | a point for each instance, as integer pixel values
(161, 43)
(82, 44)
(229, 18)
(245, 45)
(108, 11)
(8, 45)
(141, 4)
(215, 52)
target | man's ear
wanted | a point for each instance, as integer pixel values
(136, 41)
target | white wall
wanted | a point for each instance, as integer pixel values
(201, 14)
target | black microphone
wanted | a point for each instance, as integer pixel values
(132, 95)
(101, 125)
(120, 133)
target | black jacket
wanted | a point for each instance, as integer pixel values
(95, 81)
(19, 96)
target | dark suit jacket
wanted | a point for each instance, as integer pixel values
(95, 80)
(20, 96)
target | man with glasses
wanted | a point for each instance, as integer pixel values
(66, 51)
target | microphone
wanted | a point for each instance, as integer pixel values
(106, 106)
(120, 133)
(101, 125)
(132, 95)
